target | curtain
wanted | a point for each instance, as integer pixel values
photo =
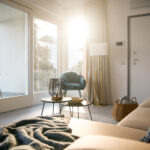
(63, 48)
(96, 67)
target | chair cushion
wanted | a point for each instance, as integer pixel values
(72, 86)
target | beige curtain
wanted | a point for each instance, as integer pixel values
(63, 48)
(97, 71)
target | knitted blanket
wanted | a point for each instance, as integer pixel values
(40, 133)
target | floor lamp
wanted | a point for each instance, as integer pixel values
(98, 49)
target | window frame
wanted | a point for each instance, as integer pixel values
(25, 10)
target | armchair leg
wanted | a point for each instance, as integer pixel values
(65, 92)
(80, 94)
(60, 108)
(0, 94)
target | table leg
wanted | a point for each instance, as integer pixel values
(70, 110)
(89, 112)
(80, 94)
(42, 108)
(60, 108)
(53, 109)
(78, 111)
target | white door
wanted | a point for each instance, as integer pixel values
(140, 57)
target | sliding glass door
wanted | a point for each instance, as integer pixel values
(13, 52)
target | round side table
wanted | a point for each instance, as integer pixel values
(49, 100)
(84, 103)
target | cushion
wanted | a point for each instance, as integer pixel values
(145, 103)
(147, 137)
(72, 77)
(138, 119)
(106, 143)
(81, 127)
(72, 86)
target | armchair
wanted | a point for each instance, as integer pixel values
(72, 81)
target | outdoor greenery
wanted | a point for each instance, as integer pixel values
(77, 67)
(43, 68)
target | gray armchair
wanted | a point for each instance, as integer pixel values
(72, 81)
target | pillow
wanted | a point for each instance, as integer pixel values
(145, 103)
(146, 138)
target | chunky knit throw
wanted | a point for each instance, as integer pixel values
(40, 133)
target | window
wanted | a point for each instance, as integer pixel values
(77, 32)
(45, 54)
(13, 52)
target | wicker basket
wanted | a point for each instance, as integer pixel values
(122, 110)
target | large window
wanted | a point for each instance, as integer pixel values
(13, 52)
(45, 53)
(77, 32)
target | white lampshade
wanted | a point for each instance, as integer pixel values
(98, 49)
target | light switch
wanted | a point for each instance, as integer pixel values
(119, 43)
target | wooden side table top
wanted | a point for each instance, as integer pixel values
(83, 103)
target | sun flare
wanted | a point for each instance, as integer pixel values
(77, 32)
(77, 35)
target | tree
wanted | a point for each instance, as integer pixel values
(42, 66)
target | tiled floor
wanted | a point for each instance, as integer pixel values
(100, 113)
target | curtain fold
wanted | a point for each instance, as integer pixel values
(97, 69)
(63, 48)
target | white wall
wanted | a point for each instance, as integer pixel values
(117, 12)
(12, 55)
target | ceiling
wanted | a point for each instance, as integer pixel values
(71, 3)
(7, 13)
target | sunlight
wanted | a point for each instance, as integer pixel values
(49, 28)
(77, 32)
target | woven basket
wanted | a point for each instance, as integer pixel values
(76, 100)
(122, 110)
